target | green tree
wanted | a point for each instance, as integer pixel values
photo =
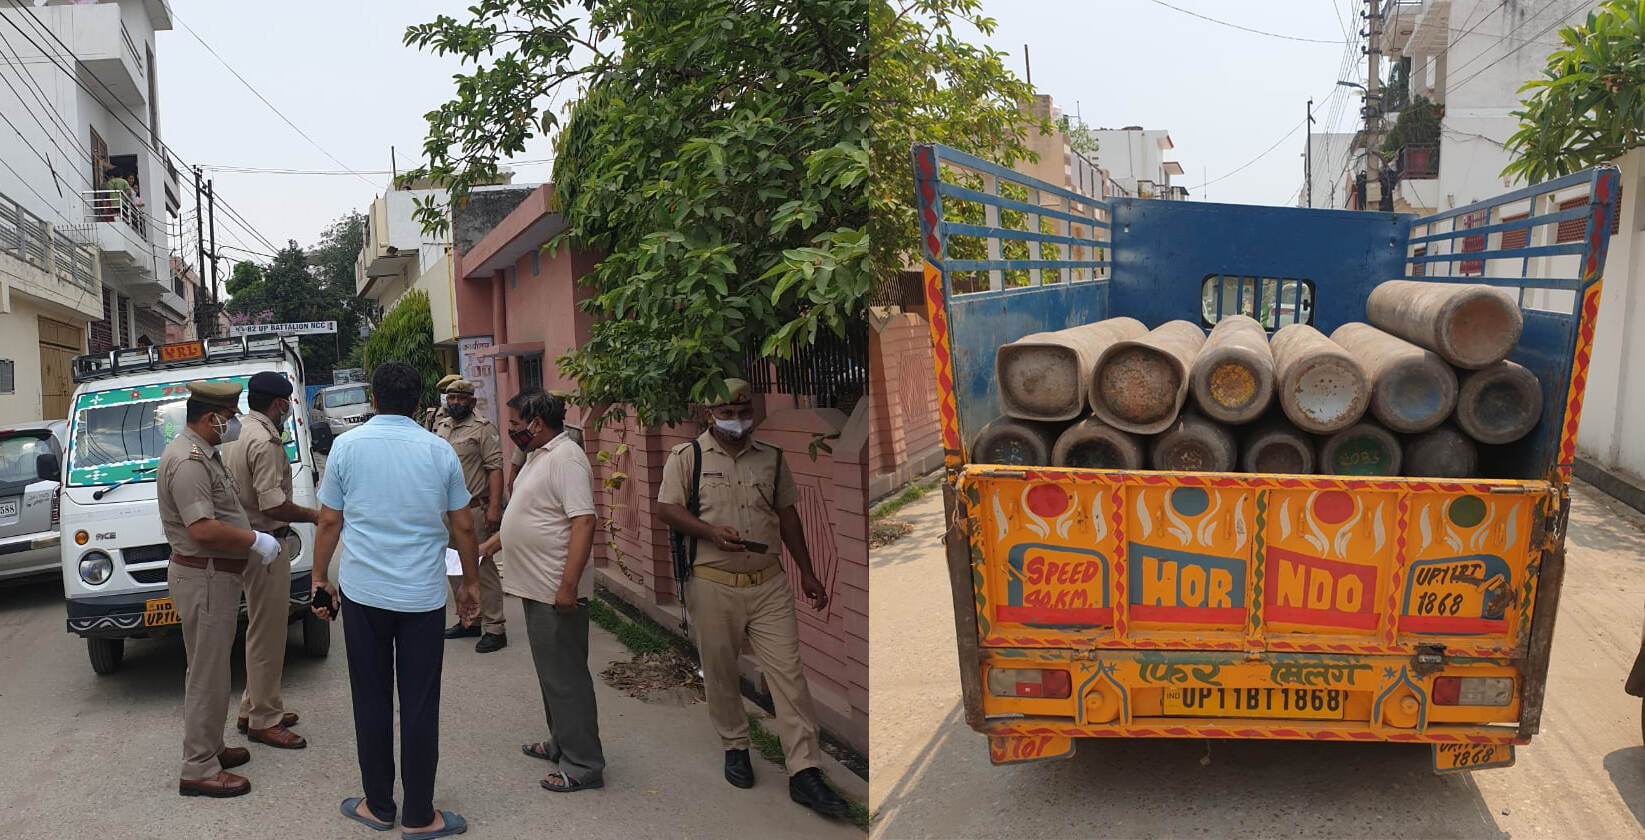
(716, 161)
(1589, 107)
(928, 84)
(407, 335)
(1418, 125)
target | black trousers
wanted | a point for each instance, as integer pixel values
(379, 641)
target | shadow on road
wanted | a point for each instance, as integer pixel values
(1627, 769)
(32, 593)
(1136, 788)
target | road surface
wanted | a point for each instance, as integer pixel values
(1584, 776)
(89, 756)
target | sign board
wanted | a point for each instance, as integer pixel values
(479, 370)
(295, 328)
(344, 376)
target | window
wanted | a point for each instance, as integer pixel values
(1419, 269)
(8, 376)
(1571, 230)
(346, 396)
(17, 458)
(1512, 239)
(1273, 301)
(531, 371)
(1473, 244)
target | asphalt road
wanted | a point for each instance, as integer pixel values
(1582, 777)
(89, 756)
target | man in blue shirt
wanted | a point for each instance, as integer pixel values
(386, 487)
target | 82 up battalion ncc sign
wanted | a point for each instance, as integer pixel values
(296, 328)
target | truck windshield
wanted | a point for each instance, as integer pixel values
(121, 432)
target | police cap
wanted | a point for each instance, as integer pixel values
(270, 383)
(445, 381)
(460, 386)
(737, 391)
(216, 393)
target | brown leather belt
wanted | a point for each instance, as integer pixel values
(221, 564)
(738, 579)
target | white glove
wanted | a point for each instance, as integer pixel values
(266, 547)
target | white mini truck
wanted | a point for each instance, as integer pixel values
(128, 404)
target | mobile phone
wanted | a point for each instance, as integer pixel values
(322, 600)
(756, 547)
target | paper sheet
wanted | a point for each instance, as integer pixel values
(454, 563)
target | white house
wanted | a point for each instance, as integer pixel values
(400, 256)
(1135, 158)
(83, 266)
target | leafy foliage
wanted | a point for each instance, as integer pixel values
(1418, 125)
(313, 285)
(407, 335)
(1589, 107)
(928, 85)
(715, 159)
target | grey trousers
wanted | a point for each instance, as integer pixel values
(559, 647)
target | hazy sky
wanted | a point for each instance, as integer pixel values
(1225, 95)
(338, 70)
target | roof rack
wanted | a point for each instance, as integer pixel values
(182, 354)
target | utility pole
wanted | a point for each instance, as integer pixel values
(1373, 106)
(1308, 156)
(1027, 69)
(205, 308)
(211, 207)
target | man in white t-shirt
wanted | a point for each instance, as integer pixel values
(546, 537)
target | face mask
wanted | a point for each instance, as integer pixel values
(521, 438)
(459, 411)
(228, 431)
(734, 429)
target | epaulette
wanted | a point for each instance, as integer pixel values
(195, 452)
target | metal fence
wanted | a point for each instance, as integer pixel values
(48, 247)
(833, 373)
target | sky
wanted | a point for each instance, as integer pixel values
(335, 68)
(1226, 96)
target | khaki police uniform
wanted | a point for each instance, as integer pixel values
(738, 596)
(433, 416)
(194, 484)
(263, 475)
(480, 452)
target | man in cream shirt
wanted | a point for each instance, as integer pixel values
(546, 538)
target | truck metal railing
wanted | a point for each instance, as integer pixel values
(92, 366)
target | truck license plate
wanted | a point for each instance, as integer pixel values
(158, 612)
(1313, 703)
(1460, 758)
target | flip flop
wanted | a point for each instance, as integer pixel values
(572, 785)
(540, 750)
(348, 808)
(455, 824)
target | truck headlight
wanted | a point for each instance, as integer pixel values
(96, 568)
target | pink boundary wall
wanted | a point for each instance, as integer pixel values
(905, 438)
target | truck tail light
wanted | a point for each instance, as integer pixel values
(56, 506)
(1029, 682)
(1473, 691)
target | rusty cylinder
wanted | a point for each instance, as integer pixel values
(1139, 385)
(1021, 443)
(1194, 444)
(1412, 389)
(1322, 389)
(1470, 324)
(1232, 379)
(1361, 449)
(1499, 404)
(1276, 446)
(1094, 445)
(1044, 376)
(1441, 453)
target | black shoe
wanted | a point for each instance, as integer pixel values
(808, 788)
(458, 631)
(738, 771)
(490, 642)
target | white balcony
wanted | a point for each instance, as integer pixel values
(45, 262)
(119, 229)
(106, 49)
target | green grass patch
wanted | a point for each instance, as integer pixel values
(909, 495)
(770, 747)
(635, 637)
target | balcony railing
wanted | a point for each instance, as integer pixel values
(115, 205)
(33, 240)
(1419, 161)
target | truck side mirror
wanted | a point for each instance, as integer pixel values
(47, 467)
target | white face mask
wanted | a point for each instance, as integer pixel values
(228, 431)
(734, 429)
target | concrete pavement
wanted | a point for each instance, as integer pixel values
(1583, 776)
(90, 756)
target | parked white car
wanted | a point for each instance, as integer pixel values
(31, 466)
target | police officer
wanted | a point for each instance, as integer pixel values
(738, 591)
(432, 416)
(211, 541)
(262, 472)
(479, 450)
